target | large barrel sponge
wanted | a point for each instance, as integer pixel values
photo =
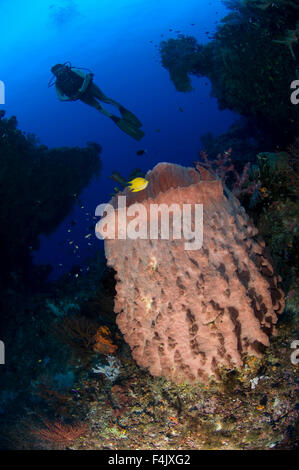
(187, 313)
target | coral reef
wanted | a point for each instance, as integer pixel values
(175, 321)
(179, 57)
(222, 168)
(104, 342)
(187, 316)
(291, 37)
(38, 188)
(253, 407)
(276, 215)
(247, 64)
(244, 138)
(110, 370)
(78, 332)
(59, 433)
(85, 338)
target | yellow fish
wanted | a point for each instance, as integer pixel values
(138, 184)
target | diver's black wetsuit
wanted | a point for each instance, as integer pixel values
(70, 86)
(69, 82)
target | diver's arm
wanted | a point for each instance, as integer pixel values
(87, 79)
(61, 96)
(86, 82)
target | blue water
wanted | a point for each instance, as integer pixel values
(112, 38)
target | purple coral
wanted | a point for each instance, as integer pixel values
(221, 168)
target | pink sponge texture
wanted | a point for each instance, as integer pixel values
(187, 313)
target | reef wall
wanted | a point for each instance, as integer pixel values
(251, 61)
(39, 187)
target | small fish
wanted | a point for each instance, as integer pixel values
(181, 109)
(118, 178)
(141, 152)
(157, 130)
(138, 184)
(264, 192)
(88, 235)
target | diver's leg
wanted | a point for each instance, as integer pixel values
(123, 124)
(126, 114)
(95, 104)
(96, 92)
(128, 127)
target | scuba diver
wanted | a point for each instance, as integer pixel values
(74, 84)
